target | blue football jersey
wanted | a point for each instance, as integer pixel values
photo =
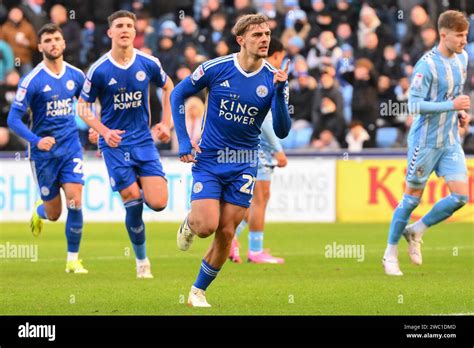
(237, 102)
(437, 79)
(123, 94)
(50, 98)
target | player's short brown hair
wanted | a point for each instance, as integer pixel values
(245, 22)
(120, 14)
(49, 28)
(453, 20)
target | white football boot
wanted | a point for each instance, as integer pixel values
(144, 270)
(414, 244)
(184, 237)
(197, 298)
(392, 267)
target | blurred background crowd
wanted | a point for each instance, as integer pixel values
(351, 60)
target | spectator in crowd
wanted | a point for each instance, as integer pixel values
(392, 65)
(191, 57)
(344, 35)
(320, 20)
(328, 106)
(167, 53)
(365, 107)
(21, 37)
(418, 19)
(429, 37)
(6, 60)
(190, 35)
(372, 51)
(71, 32)
(299, 27)
(301, 88)
(222, 49)
(357, 137)
(370, 23)
(326, 142)
(216, 33)
(325, 53)
(87, 53)
(207, 9)
(145, 33)
(345, 13)
(34, 12)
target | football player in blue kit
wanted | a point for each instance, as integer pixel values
(242, 88)
(436, 98)
(120, 79)
(55, 150)
(270, 149)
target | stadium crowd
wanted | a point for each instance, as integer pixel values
(351, 60)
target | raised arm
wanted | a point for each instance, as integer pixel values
(281, 117)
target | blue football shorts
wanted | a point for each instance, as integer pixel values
(51, 173)
(448, 162)
(126, 163)
(229, 182)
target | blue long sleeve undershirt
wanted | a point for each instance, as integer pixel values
(418, 105)
(16, 124)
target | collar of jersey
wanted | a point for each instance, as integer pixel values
(49, 72)
(124, 67)
(436, 49)
(242, 71)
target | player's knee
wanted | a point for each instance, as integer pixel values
(157, 204)
(130, 194)
(53, 214)
(203, 228)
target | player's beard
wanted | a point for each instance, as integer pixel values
(53, 57)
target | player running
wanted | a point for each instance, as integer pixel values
(56, 157)
(270, 148)
(437, 100)
(120, 80)
(242, 88)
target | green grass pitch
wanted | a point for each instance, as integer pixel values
(309, 283)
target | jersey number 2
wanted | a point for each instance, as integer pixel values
(78, 167)
(250, 182)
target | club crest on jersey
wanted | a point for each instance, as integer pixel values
(262, 91)
(197, 74)
(140, 75)
(20, 95)
(420, 171)
(416, 84)
(70, 85)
